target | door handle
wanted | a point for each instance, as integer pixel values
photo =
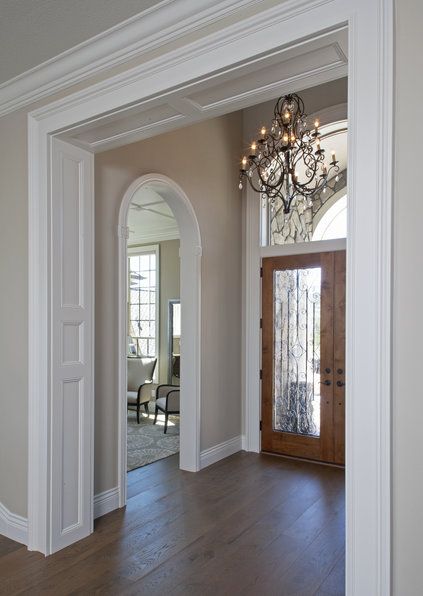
(327, 382)
(340, 383)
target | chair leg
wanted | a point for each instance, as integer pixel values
(155, 415)
(146, 408)
(138, 413)
(166, 418)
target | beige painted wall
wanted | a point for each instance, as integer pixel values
(183, 156)
(169, 290)
(408, 311)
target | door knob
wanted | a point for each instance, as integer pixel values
(340, 383)
(339, 371)
(327, 382)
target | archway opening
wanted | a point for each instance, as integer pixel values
(159, 304)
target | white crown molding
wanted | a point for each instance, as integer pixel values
(106, 502)
(13, 526)
(217, 452)
(197, 49)
(144, 32)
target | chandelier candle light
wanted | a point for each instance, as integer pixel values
(288, 162)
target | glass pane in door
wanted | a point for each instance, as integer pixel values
(296, 365)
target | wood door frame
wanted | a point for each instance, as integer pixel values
(314, 448)
(369, 264)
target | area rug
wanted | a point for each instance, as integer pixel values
(147, 442)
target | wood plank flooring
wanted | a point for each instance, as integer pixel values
(250, 524)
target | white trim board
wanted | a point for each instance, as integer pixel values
(149, 30)
(303, 248)
(217, 452)
(106, 502)
(13, 526)
(370, 71)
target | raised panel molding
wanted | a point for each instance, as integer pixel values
(310, 63)
(72, 393)
(144, 32)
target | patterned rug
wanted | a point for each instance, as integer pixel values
(147, 441)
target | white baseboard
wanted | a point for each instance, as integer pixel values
(13, 526)
(220, 451)
(106, 502)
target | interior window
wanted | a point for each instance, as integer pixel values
(142, 303)
(333, 223)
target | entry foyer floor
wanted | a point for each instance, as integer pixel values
(250, 524)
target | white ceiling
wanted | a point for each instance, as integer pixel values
(150, 219)
(33, 31)
(309, 63)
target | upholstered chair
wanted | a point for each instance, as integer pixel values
(167, 401)
(140, 378)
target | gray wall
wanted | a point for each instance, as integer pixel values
(13, 313)
(54, 26)
(217, 204)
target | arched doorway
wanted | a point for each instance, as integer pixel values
(190, 278)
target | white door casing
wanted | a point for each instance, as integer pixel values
(72, 296)
(370, 70)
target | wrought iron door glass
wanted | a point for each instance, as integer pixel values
(296, 366)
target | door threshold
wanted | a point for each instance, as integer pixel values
(304, 459)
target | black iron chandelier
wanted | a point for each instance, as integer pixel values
(288, 162)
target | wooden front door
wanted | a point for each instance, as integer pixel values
(303, 359)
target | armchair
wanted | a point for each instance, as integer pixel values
(140, 377)
(167, 401)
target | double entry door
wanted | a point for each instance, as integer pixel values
(303, 356)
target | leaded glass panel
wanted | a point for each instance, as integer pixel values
(296, 375)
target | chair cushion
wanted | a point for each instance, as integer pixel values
(132, 397)
(173, 402)
(140, 370)
(161, 402)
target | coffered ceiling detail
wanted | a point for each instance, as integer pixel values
(310, 63)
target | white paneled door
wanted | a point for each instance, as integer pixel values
(72, 333)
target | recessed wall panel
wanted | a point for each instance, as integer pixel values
(71, 444)
(71, 232)
(72, 342)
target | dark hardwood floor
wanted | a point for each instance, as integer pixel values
(250, 524)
